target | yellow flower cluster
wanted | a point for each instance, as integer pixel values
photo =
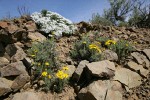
(84, 42)
(61, 75)
(109, 42)
(65, 68)
(93, 46)
(45, 74)
(47, 64)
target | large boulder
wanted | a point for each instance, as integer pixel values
(13, 69)
(127, 77)
(101, 69)
(100, 90)
(5, 86)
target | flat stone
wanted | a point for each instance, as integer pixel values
(137, 57)
(102, 69)
(25, 96)
(137, 68)
(13, 69)
(5, 86)
(147, 52)
(127, 77)
(99, 90)
(3, 61)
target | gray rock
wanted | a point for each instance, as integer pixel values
(110, 55)
(79, 69)
(3, 61)
(127, 77)
(20, 81)
(138, 68)
(99, 90)
(5, 86)
(12, 69)
(102, 69)
(147, 52)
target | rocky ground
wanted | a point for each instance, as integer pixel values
(103, 80)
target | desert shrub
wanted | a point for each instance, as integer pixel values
(46, 65)
(86, 50)
(122, 48)
(51, 22)
(98, 20)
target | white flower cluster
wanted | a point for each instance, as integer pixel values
(54, 23)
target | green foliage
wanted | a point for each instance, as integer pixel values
(44, 12)
(45, 61)
(123, 24)
(122, 48)
(98, 20)
(86, 50)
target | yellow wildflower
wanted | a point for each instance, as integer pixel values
(35, 51)
(49, 76)
(109, 42)
(93, 46)
(46, 64)
(84, 42)
(32, 55)
(127, 45)
(39, 64)
(65, 68)
(59, 74)
(44, 73)
(66, 75)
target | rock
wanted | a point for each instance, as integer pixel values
(127, 77)
(138, 68)
(3, 61)
(20, 81)
(5, 86)
(137, 57)
(102, 69)
(147, 53)
(1, 48)
(30, 26)
(13, 69)
(79, 70)
(99, 90)
(15, 52)
(3, 24)
(5, 37)
(36, 36)
(27, 62)
(113, 95)
(110, 55)
(71, 70)
(25, 96)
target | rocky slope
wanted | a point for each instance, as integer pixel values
(103, 80)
